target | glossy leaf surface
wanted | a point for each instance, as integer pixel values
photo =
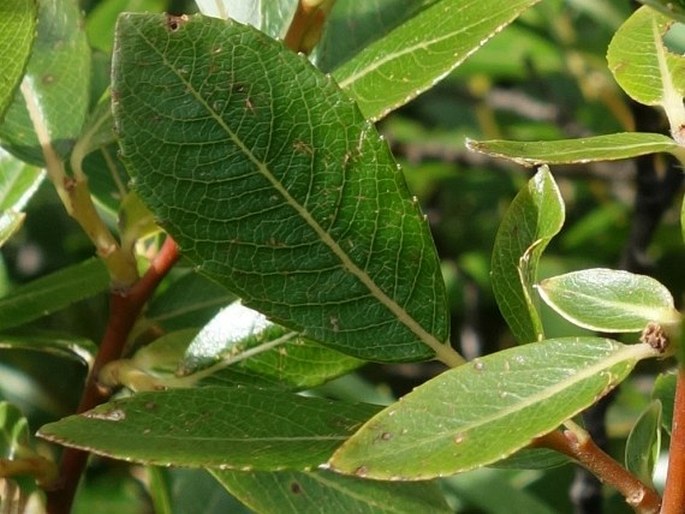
(609, 147)
(295, 492)
(398, 67)
(608, 300)
(533, 218)
(480, 413)
(231, 428)
(55, 86)
(57, 344)
(53, 292)
(17, 30)
(260, 167)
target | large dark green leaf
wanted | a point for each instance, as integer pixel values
(218, 427)
(55, 87)
(274, 185)
(297, 492)
(480, 413)
(17, 30)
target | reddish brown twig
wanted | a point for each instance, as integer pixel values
(124, 309)
(674, 492)
(639, 496)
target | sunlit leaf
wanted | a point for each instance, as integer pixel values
(270, 16)
(296, 492)
(17, 31)
(673, 9)
(288, 173)
(608, 300)
(644, 443)
(55, 87)
(217, 427)
(533, 218)
(410, 59)
(482, 412)
(609, 147)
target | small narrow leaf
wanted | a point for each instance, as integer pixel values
(608, 300)
(53, 292)
(15, 439)
(55, 90)
(17, 31)
(422, 50)
(216, 427)
(644, 443)
(482, 412)
(533, 218)
(10, 223)
(18, 182)
(288, 172)
(78, 348)
(608, 147)
(295, 492)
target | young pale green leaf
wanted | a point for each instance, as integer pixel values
(482, 412)
(646, 69)
(296, 492)
(15, 439)
(608, 300)
(533, 218)
(53, 292)
(644, 443)
(72, 347)
(664, 391)
(53, 97)
(17, 31)
(215, 427)
(398, 67)
(103, 16)
(259, 166)
(353, 25)
(624, 145)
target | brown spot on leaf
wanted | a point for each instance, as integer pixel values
(173, 23)
(295, 488)
(48, 79)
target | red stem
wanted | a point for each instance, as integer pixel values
(124, 309)
(674, 492)
(639, 496)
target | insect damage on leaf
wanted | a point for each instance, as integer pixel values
(173, 23)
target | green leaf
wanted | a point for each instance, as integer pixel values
(353, 25)
(102, 19)
(294, 492)
(482, 412)
(18, 182)
(243, 337)
(217, 427)
(290, 185)
(55, 87)
(608, 300)
(533, 218)
(17, 31)
(190, 301)
(412, 58)
(664, 391)
(532, 458)
(10, 223)
(53, 292)
(15, 439)
(72, 347)
(644, 443)
(645, 69)
(624, 145)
